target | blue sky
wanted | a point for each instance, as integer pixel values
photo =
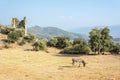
(65, 14)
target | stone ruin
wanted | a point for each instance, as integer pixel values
(20, 24)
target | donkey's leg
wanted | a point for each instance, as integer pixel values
(79, 64)
(73, 62)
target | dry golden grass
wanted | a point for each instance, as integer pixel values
(22, 64)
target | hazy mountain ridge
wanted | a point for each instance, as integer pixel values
(49, 32)
(114, 30)
(117, 40)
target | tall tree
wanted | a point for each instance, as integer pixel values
(107, 40)
(100, 39)
(95, 40)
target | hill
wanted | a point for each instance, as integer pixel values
(50, 32)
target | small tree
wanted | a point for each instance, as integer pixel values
(78, 41)
(59, 42)
(63, 42)
(116, 48)
(39, 45)
(52, 42)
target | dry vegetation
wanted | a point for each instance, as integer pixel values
(22, 64)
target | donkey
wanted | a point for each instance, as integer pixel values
(78, 59)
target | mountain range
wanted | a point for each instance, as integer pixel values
(50, 32)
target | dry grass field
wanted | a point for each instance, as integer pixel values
(22, 64)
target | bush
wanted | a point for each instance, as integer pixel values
(39, 45)
(52, 42)
(77, 49)
(20, 32)
(63, 42)
(59, 42)
(6, 30)
(14, 36)
(22, 42)
(116, 48)
(78, 41)
(29, 38)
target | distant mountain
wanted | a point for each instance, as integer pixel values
(114, 30)
(117, 40)
(50, 32)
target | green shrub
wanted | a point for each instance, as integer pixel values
(78, 41)
(20, 32)
(52, 42)
(29, 38)
(39, 45)
(77, 49)
(14, 36)
(22, 42)
(62, 42)
(6, 30)
(59, 42)
(116, 48)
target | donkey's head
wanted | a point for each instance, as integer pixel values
(84, 63)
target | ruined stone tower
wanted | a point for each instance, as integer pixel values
(20, 24)
(25, 26)
(15, 22)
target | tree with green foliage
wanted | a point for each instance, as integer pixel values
(79, 41)
(63, 42)
(116, 48)
(107, 40)
(52, 42)
(94, 39)
(100, 40)
(79, 47)
(59, 42)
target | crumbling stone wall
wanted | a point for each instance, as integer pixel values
(20, 24)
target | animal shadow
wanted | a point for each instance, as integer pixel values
(63, 67)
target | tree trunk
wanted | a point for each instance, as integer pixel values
(99, 49)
